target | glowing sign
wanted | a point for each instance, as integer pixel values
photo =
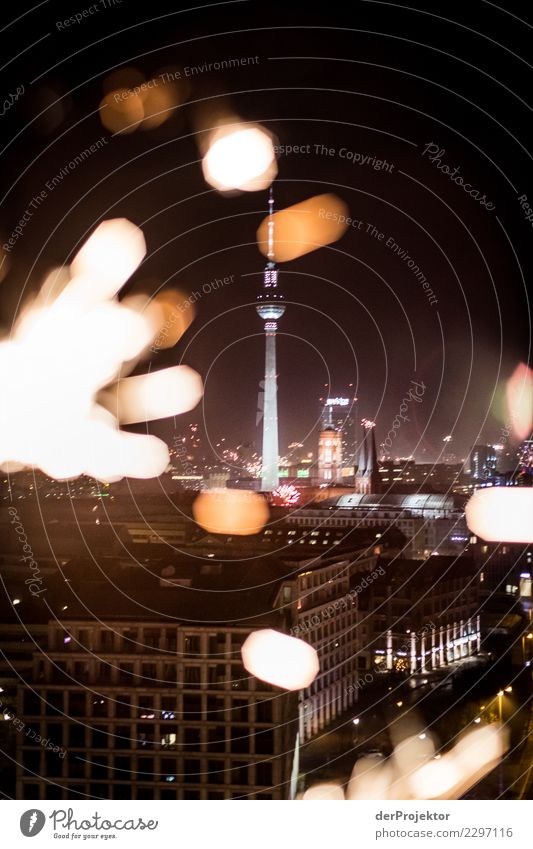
(337, 402)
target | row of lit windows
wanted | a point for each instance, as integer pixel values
(137, 640)
(150, 674)
(193, 707)
(142, 736)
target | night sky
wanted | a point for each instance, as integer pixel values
(377, 80)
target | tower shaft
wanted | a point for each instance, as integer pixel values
(270, 308)
(270, 469)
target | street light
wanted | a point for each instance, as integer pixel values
(399, 704)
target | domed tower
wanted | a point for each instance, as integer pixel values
(270, 308)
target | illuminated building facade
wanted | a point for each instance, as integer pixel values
(483, 461)
(330, 455)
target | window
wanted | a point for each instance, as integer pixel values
(169, 766)
(130, 637)
(76, 736)
(123, 738)
(146, 735)
(192, 676)
(32, 731)
(264, 711)
(216, 772)
(53, 765)
(192, 707)
(217, 674)
(99, 737)
(54, 732)
(170, 738)
(192, 644)
(264, 742)
(169, 673)
(145, 709)
(99, 707)
(81, 671)
(123, 707)
(76, 704)
(125, 673)
(104, 672)
(149, 672)
(239, 677)
(151, 638)
(240, 742)
(106, 640)
(55, 702)
(216, 739)
(32, 704)
(239, 710)
(99, 766)
(171, 639)
(32, 761)
(216, 709)
(191, 738)
(263, 773)
(145, 767)
(122, 766)
(217, 645)
(239, 775)
(191, 769)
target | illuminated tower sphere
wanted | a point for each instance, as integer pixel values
(270, 308)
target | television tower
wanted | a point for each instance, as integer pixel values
(270, 308)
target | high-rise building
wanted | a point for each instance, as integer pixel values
(483, 461)
(525, 456)
(367, 478)
(270, 308)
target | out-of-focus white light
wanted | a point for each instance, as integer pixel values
(230, 511)
(69, 344)
(324, 793)
(240, 157)
(109, 256)
(501, 514)
(280, 660)
(435, 779)
(159, 394)
(356, 721)
(371, 778)
(519, 397)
